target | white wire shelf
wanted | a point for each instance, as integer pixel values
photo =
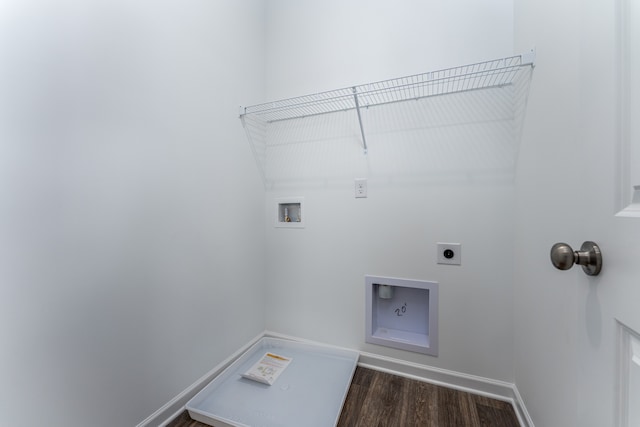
(482, 75)
(307, 137)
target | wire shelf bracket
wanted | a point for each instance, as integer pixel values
(355, 99)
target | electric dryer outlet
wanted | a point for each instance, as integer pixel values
(449, 253)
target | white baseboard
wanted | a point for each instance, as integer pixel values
(464, 382)
(521, 410)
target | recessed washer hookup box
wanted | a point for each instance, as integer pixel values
(310, 391)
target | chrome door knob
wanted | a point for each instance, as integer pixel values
(589, 257)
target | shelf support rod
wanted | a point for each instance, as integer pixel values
(364, 140)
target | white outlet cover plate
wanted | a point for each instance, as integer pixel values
(457, 253)
(360, 188)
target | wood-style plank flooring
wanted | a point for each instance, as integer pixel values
(378, 399)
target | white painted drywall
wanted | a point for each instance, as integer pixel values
(316, 274)
(318, 46)
(131, 221)
(566, 345)
(545, 307)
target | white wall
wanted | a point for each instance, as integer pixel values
(316, 275)
(318, 46)
(546, 310)
(132, 232)
(566, 347)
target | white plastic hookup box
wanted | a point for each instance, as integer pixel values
(310, 391)
(289, 212)
(402, 313)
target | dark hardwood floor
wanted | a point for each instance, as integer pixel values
(384, 400)
(378, 399)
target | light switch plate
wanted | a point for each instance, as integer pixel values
(449, 253)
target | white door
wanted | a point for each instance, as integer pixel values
(575, 334)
